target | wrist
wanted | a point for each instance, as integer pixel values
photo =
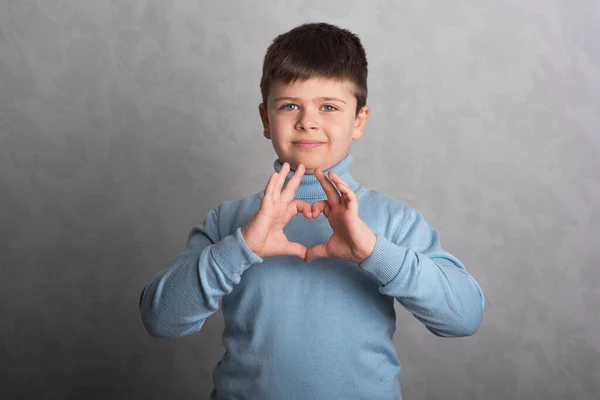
(250, 245)
(370, 244)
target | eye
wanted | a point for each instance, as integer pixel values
(288, 107)
(328, 107)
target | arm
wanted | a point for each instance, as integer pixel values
(177, 300)
(427, 280)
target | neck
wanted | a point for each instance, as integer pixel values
(310, 188)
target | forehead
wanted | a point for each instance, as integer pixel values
(313, 88)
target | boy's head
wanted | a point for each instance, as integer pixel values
(314, 88)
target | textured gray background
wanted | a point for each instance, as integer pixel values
(123, 122)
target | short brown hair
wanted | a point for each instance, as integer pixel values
(316, 50)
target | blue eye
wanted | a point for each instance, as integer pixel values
(287, 107)
(328, 107)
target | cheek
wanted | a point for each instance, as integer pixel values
(283, 122)
(340, 125)
(280, 125)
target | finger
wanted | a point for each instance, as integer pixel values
(335, 178)
(283, 172)
(270, 189)
(301, 206)
(348, 195)
(290, 189)
(319, 207)
(318, 251)
(330, 190)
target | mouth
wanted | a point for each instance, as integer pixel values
(308, 141)
(308, 144)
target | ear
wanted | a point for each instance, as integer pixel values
(360, 123)
(264, 117)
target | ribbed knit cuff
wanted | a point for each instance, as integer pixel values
(233, 255)
(385, 261)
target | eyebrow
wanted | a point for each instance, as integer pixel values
(314, 100)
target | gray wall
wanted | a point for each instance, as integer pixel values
(123, 122)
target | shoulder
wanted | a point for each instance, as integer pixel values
(244, 203)
(379, 201)
(385, 214)
(232, 214)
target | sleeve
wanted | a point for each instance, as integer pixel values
(178, 299)
(428, 281)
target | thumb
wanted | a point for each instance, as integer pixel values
(318, 251)
(295, 249)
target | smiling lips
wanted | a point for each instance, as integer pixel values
(308, 144)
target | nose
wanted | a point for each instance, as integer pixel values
(307, 120)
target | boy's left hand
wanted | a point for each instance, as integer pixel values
(352, 239)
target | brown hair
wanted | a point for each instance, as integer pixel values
(316, 50)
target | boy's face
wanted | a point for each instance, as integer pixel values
(316, 110)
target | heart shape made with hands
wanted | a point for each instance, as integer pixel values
(352, 240)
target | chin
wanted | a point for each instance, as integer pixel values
(310, 162)
(309, 167)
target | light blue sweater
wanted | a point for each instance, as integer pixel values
(312, 331)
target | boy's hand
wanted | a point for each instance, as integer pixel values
(264, 232)
(352, 239)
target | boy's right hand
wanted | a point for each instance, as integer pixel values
(264, 232)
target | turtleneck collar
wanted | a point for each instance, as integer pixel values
(310, 188)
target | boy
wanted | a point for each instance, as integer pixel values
(308, 299)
